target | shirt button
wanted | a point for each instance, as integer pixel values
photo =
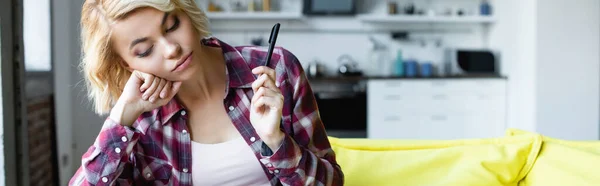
(185, 170)
(124, 139)
(148, 175)
(276, 171)
(118, 150)
(270, 172)
(184, 131)
(104, 179)
(231, 108)
(183, 113)
(269, 165)
(252, 139)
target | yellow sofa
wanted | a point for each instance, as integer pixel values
(520, 158)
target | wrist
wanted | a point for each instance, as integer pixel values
(273, 141)
(124, 113)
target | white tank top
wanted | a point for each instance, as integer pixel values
(229, 163)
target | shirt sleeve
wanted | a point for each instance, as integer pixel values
(106, 158)
(305, 157)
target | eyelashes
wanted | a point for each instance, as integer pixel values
(175, 25)
(146, 53)
(172, 28)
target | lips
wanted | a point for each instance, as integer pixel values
(183, 61)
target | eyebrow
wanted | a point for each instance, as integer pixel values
(140, 40)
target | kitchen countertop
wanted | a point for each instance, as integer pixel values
(361, 78)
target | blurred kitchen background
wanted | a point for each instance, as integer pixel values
(394, 69)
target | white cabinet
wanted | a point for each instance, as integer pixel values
(453, 108)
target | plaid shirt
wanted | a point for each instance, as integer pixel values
(156, 150)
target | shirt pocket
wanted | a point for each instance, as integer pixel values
(153, 170)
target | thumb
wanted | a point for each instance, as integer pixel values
(141, 75)
(175, 87)
(143, 80)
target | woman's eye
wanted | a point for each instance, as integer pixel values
(175, 25)
(146, 53)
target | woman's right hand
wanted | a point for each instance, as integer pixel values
(143, 92)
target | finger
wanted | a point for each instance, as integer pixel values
(270, 92)
(175, 88)
(267, 101)
(258, 94)
(165, 90)
(151, 89)
(159, 88)
(264, 81)
(270, 83)
(265, 70)
(266, 92)
(258, 83)
(148, 79)
(278, 97)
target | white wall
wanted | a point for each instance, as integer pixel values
(551, 52)
(568, 68)
(514, 35)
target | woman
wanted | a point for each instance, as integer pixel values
(188, 109)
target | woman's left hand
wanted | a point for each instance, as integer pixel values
(266, 107)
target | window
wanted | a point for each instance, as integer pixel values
(36, 35)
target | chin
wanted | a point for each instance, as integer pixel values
(188, 74)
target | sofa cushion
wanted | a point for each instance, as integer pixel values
(494, 161)
(563, 162)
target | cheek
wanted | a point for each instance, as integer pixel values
(188, 33)
(153, 65)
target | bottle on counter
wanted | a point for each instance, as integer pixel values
(251, 6)
(392, 8)
(399, 71)
(426, 69)
(266, 5)
(485, 8)
(411, 67)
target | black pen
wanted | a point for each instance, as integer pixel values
(272, 40)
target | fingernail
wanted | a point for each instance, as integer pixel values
(142, 89)
(162, 95)
(152, 99)
(145, 97)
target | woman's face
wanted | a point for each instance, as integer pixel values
(158, 43)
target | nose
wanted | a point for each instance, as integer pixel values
(172, 49)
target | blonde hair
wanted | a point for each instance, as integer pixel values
(104, 76)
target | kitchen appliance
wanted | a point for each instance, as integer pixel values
(471, 61)
(342, 106)
(329, 7)
(315, 69)
(380, 58)
(348, 66)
